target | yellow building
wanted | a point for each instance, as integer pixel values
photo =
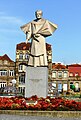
(7, 71)
(59, 81)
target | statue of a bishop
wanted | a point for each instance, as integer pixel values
(37, 30)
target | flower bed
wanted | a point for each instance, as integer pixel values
(51, 104)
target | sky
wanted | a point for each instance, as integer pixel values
(66, 40)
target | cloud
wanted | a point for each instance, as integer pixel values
(7, 19)
(10, 19)
(9, 23)
(9, 30)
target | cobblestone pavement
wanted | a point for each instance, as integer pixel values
(17, 117)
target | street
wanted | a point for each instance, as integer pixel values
(17, 117)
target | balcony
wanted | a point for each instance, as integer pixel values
(75, 78)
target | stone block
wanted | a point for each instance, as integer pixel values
(36, 81)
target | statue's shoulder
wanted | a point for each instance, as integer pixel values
(47, 21)
(25, 25)
(51, 24)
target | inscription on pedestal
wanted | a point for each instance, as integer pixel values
(36, 81)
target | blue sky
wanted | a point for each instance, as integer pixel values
(66, 41)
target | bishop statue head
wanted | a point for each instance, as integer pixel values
(38, 14)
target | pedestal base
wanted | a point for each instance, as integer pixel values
(36, 81)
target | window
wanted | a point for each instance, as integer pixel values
(76, 74)
(54, 74)
(64, 87)
(71, 74)
(3, 84)
(53, 85)
(77, 85)
(3, 72)
(72, 86)
(20, 56)
(22, 90)
(77, 89)
(65, 74)
(59, 87)
(20, 67)
(21, 79)
(11, 72)
(27, 56)
(60, 74)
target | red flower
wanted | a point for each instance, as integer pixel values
(41, 104)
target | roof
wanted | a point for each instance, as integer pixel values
(58, 66)
(48, 47)
(24, 46)
(5, 57)
(74, 65)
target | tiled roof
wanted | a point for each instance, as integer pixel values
(24, 46)
(58, 66)
(74, 65)
(5, 57)
(48, 47)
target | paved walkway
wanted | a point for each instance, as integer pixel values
(17, 117)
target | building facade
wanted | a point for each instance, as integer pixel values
(75, 77)
(59, 81)
(61, 78)
(7, 71)
(22, 56)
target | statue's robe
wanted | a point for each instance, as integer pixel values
(37, 31)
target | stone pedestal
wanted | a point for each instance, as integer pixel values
(36, 81)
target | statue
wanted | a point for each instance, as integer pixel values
(37, 30)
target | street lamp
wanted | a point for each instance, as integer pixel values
(13, 84)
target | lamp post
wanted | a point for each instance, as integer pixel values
(13, 84)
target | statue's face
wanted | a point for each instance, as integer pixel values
(38, 14)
